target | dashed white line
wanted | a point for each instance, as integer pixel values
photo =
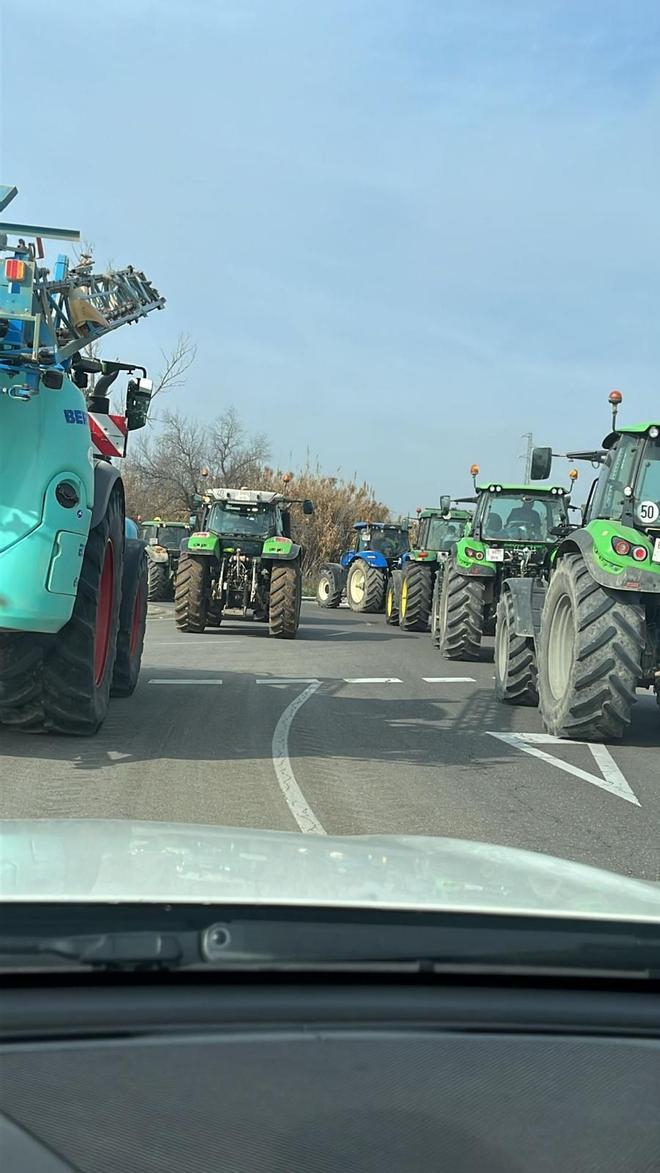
(372, 680)
(449, 679)
(163, 680)
(289, 680)
(295, 799)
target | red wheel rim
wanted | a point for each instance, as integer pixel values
(104, 613)
(136, 623)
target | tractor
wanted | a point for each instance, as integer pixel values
(73, 597)
(588, 635)
(511, 536)
(409, 598)
(243, 558)
(363, 571)
(163, 540)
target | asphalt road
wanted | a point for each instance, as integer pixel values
(353, 728)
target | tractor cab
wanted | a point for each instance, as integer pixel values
(168, 534)
(519, 515)
(380, 537)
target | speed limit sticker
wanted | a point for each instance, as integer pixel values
(648, 512)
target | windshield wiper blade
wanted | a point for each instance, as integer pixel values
(113, 950)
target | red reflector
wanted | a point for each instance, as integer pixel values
(639, 553)
(422, 554)
(14, 269)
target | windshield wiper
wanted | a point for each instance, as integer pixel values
(263, 944)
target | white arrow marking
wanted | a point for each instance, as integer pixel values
(612, 779)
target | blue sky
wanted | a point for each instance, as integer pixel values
(401, 232)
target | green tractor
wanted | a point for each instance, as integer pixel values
(511, 537)
(409, 597)
(163, 540)
(242, 558)
(590, 632)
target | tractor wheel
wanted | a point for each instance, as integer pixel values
(159, 582)
(285, 599)
(392, 598)
(330, 587)
(132, 628)
(191, 594)
(61, 683)
(214, 613)
(461, 616)
(590, 652)
(515, 659)
(416, 596)
(365, 587)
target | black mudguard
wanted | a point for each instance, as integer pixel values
(527, 596)
(105, 479)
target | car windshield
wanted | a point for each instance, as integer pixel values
(443, 532)
(521, 517)
(254, 521)
(378, 258)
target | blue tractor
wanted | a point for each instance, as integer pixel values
(363, 571)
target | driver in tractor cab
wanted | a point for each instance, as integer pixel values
(526, 517)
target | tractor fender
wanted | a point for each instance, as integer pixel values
(633, 578)
(157, 555)
(133, 556)
(374, 558)
(289, 555)
(527, 596)
(339, 572)
(474, 570)
(105, 479)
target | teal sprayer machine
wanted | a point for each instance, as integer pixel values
(72, 586)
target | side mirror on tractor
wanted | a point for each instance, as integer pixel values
(138, 398)
(541, 464)
(308, 507)
(445, 503)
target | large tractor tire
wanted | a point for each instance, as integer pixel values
(461, 616)
(515, 659)
(365, 587)
(392, 599)
(330, 585)
(590, 653)
(132, 622)
(285, 599)
(191, 594)
(214, 613)
(61, 683)
(159, 582)
(416, 596)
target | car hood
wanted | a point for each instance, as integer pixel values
(121, 860)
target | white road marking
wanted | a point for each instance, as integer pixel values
(193, 643)
(612, 779)
(449, 679)
(335, 634)
(211, 680)
(295, 799)
(372, 680)
(289, 680)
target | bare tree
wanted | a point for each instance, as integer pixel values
(176, 362)
(167, 468)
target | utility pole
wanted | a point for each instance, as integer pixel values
(527, 457)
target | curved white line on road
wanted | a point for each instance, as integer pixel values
(295, 799)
